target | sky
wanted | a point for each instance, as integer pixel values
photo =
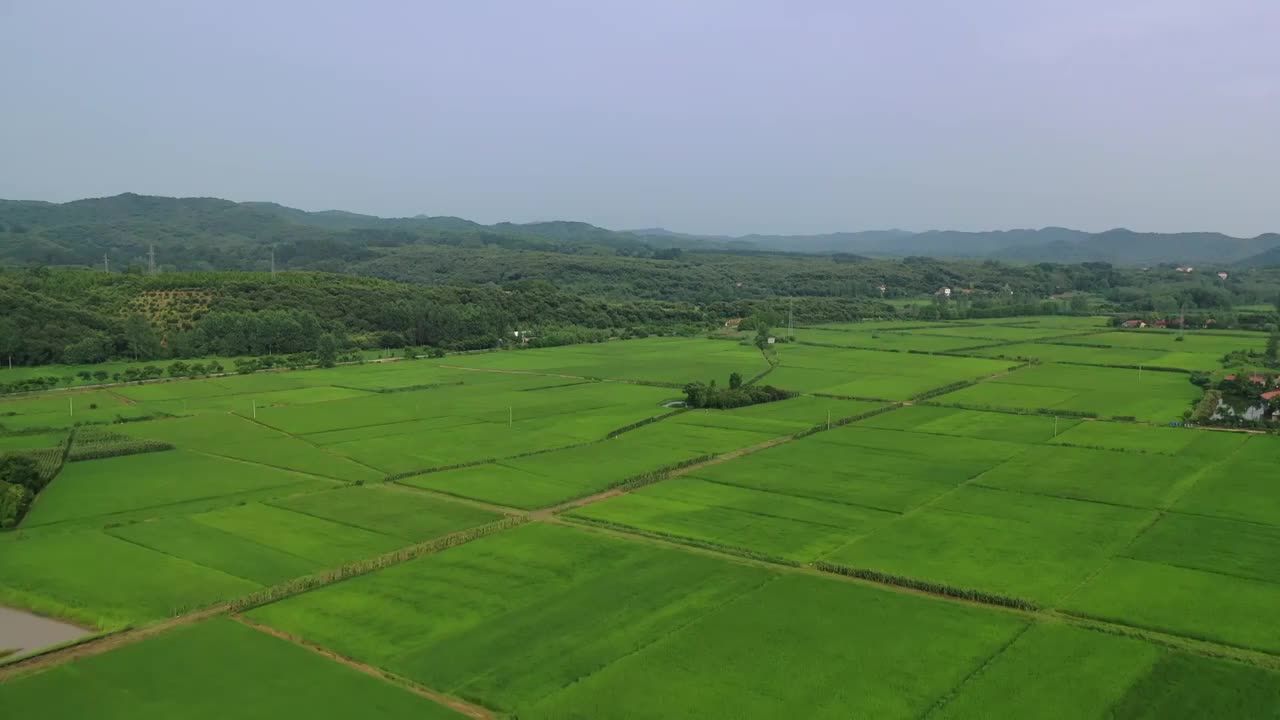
(704, 116)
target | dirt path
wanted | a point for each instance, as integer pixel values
(460, 706)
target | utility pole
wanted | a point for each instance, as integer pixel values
(791, 313)
(71, 406)
(273, 263)
(255, 409)
(510, 416)
(151, 260)
(106, 264)
(1139, 374)
(828, 418)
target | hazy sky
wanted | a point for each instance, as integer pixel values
(712, 116)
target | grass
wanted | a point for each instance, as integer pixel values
(203, 671)
(1024, 546)
(518, 615)
(104, 488)
(873, 654)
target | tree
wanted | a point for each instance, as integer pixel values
(100, 375)
(327, 350)
(1079, 303)
(762, 336)
(179, 369)
(735, 380)
(20, 470)
(140, 338)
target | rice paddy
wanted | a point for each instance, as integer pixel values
(934, 526)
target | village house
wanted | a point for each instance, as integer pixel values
(1133, 324)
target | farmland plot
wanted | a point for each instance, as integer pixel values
(109, 487)
(667, 360)
(787, 527)
(1120, 478)
(208, 672)
(932, 420)
(105, 582)
(242, 439)
(1059, 672)
(1108, 392)
(799, 647)
(1024, 546)
(872, 374)
(897, 341)
(509, 619)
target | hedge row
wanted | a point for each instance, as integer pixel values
(928, 586)
(1055, 412)
(846, 420)
(641, 423)
(638, 481)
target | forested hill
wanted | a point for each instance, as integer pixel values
(212, 234)
(1050, 244)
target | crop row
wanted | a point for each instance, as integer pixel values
(927, 586)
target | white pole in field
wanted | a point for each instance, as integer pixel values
(1055, 426)
(828, 419)
(510, 416)
(255, 409)
(71, 406)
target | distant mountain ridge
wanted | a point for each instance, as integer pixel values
(1050, 244)
(216, 233)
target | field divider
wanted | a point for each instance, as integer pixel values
(927, 586)
(300, 438)
(457, 705)
(96, 645)
(946, 699)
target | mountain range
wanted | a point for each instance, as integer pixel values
(1050, 244)
(210, 233)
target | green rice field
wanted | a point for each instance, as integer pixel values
(959, 520)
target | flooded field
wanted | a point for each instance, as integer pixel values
(21, 632)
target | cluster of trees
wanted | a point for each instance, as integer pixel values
(735, 394)
(20, 480)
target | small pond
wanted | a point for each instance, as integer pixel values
(23, 632)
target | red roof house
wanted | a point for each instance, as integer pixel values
(1133, 324)
(1258, 379)
(1271, 395)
